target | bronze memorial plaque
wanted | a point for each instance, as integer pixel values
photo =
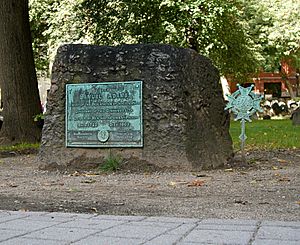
(104, 114)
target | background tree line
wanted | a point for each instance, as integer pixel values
(240, 36)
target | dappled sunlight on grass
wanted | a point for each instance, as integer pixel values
(267, 134)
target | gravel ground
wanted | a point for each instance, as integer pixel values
(269, 188)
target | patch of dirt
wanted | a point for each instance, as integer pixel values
(268, 188)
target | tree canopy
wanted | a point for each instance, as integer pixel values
(238, 35)
(275, 28)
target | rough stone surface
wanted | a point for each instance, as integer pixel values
(185, 125)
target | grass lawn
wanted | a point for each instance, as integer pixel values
(267, 134)
(20, 147)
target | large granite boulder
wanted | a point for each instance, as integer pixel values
(184, 122)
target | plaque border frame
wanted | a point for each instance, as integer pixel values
(141, 144)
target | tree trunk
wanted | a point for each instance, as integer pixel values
(290, 88)
(298, 82)
(18, 80)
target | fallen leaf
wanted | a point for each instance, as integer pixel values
(91, 174)
(284, 179)
(76, 173)
(240, 202)
(180, 182)
(172, 183)
(257, 180)
(88, 181)
(94, 209)
(12, 185)
(274, 168)
(263, 203)
(228, 170)
(118, 203)
(201, 175)
(151, 186)
(282, 160)
(196, 183)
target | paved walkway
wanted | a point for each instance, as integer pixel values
(40, 228)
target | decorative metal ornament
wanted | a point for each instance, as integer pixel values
(103, 135)
(244, 103)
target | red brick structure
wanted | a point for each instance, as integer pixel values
(273, 84)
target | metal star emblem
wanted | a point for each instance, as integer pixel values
(244, 103)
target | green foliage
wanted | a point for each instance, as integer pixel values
(39, 15)
(39, 117)
(53, 23)
(267, 134)
(122, 21)
(111, 163)
(274, 26)
(212, 28)
(238, 35)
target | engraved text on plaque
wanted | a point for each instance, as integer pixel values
(104, 114)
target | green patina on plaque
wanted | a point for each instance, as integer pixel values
(104, 114)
